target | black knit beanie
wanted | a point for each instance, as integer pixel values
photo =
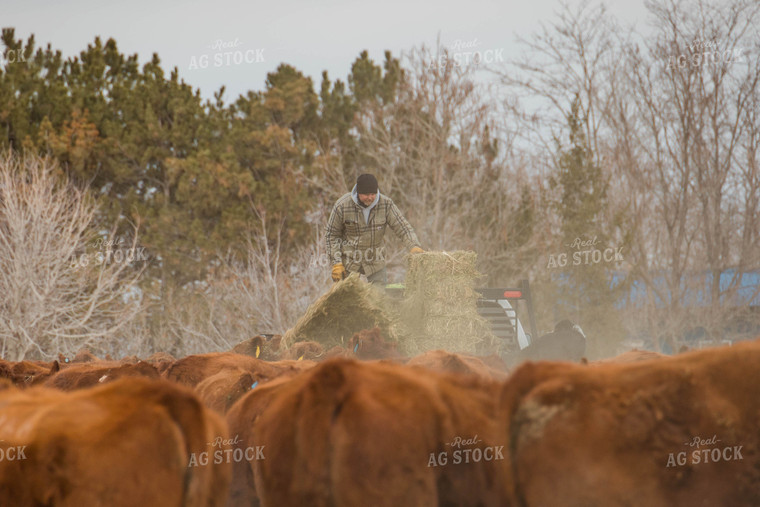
(366, 184)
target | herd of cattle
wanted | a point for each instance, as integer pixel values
(362, 425)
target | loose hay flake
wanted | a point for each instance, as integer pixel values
(350, 306)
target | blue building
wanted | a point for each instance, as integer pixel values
(738, 289)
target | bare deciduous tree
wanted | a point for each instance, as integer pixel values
(576, 56)
(670, 115)
(263, 293)
(443, 155)
(685, 135)
(56, 295)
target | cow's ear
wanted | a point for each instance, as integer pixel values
(56, 366)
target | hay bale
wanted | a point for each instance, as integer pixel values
(350, 306)
(439, 310)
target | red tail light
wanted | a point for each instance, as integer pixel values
(512, 294)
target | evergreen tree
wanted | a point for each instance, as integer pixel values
(583, 289)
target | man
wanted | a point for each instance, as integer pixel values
(566, 343)
(356, 228)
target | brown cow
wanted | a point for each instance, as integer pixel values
(632, 356)
(161, 360)
(338, 351)
(274, 344)
(191, 370)
(495, 361)
(367, 344)
(158, 357)
(674, 431)
(443, 361)
(370, 344)
(266, 347)
(364, 433)
(679, 430)
(304, 351)
(222, 389)
(28, 373)
(221, 378)
(240, 419)
(83, 355)
(130, 442)
(83, 375)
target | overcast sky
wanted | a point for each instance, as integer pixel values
(311, 35)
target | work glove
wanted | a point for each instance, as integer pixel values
(417, 250)
(338, 272)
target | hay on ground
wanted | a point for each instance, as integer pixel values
(440, 305)
(350, 306)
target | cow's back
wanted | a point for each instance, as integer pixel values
(624, 434)
(353, 433)
(120, 444)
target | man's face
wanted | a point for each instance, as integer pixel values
(367, 199)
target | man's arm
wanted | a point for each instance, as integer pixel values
(401, 227)
(334, 235)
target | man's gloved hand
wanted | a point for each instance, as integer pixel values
(417, 250)
(338, 272)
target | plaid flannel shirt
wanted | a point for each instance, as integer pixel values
(359, 244)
